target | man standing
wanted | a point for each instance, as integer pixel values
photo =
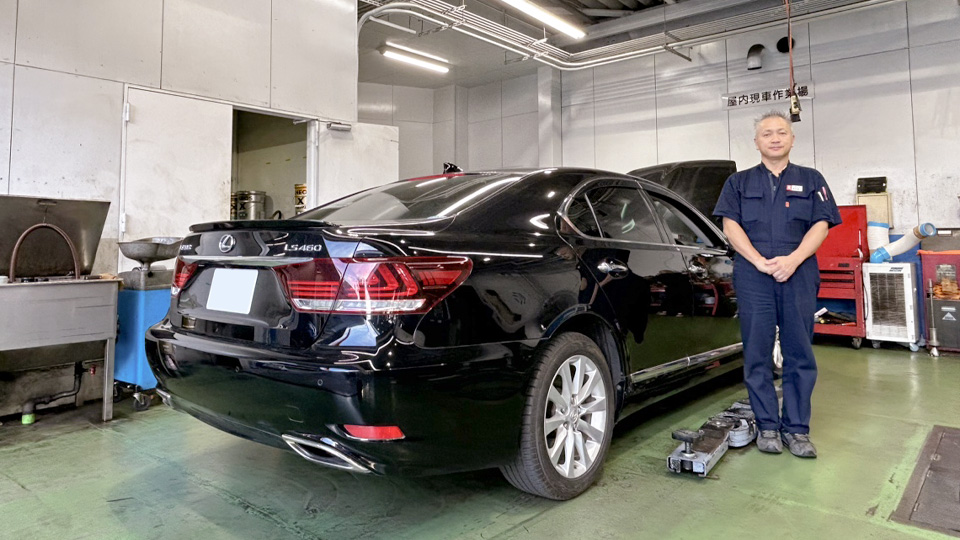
(776, 215)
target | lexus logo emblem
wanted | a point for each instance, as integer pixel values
(227, 242)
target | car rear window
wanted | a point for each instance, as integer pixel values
(413, 200)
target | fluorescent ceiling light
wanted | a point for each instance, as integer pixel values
(414, 61)
(416, 52)
(546, 18)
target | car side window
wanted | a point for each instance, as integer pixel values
(581, 215)
(623, 214)
(683, 227)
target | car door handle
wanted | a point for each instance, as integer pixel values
(614, 268)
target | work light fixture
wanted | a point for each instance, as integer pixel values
(417, 52)
(546, 18)
(417, 58)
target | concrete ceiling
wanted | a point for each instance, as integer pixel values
(472, 62)
(640, 24)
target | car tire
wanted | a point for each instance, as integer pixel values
(562, 449)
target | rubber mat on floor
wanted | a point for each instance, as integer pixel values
(932, 498)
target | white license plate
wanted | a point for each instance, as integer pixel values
(232, 290)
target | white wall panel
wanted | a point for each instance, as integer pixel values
(375, 103)
(444, 145)
(760, 80)
(624, 79)
(933, 21)
(549, 117)
(108, 39)
(6, 117)
(413, 104)
(444, 104)
(486, 144)
(867, 31)
(520, 95)
(218, 48)
(772, 59)
(626, 133)
(351, 161)
(66, 143)
(416, 149)
(936, 110)
(521, 141)
(691, 123)
(314, 58)
(863, 127)
(461, 104)
(577, 134)
(709, 63)
(8, 29)
(178, 156)
(485, 103)
(576, 87)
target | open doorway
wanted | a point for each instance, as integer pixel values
(270, 166)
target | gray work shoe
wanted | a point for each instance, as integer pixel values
(799, 444)
(769, 441)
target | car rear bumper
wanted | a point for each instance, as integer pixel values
(459, 409)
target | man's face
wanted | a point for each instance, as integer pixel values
(774, 138)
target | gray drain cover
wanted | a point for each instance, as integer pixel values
(932, 498)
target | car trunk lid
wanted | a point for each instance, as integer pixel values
(280, 283)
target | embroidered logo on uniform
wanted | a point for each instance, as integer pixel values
(798, 189)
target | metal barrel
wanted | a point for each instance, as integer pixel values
(250, 204)
(299, 198)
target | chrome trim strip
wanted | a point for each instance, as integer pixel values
(248, 261)
(349, 464)
(686, 362)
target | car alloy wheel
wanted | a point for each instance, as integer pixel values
(567, 421)
(575, 424)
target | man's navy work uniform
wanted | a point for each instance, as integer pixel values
(776, 213)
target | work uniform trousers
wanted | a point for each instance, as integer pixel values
(765, 304)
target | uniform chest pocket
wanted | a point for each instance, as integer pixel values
(751, 206)
(800, 205)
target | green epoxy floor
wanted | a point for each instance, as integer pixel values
(162, 474)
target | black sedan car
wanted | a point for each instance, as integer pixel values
(464, 321)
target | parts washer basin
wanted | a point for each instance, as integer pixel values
(150, 250)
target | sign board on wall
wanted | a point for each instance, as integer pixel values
(765, 96)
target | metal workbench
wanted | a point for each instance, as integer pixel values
(62, 312)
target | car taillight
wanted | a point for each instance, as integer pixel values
(181, 275)
(373, 286)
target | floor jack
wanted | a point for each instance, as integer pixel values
(702, 449)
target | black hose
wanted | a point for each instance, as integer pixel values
(77, 375)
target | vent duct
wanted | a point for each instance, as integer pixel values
(448, 17)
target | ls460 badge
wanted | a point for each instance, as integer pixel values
(304, 247)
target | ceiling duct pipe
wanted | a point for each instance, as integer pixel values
(457, 18)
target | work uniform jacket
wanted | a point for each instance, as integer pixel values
(776, 213)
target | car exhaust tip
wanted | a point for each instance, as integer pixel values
(165, 397)
(323, 454)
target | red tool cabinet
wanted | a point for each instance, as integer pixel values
(841, 259)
